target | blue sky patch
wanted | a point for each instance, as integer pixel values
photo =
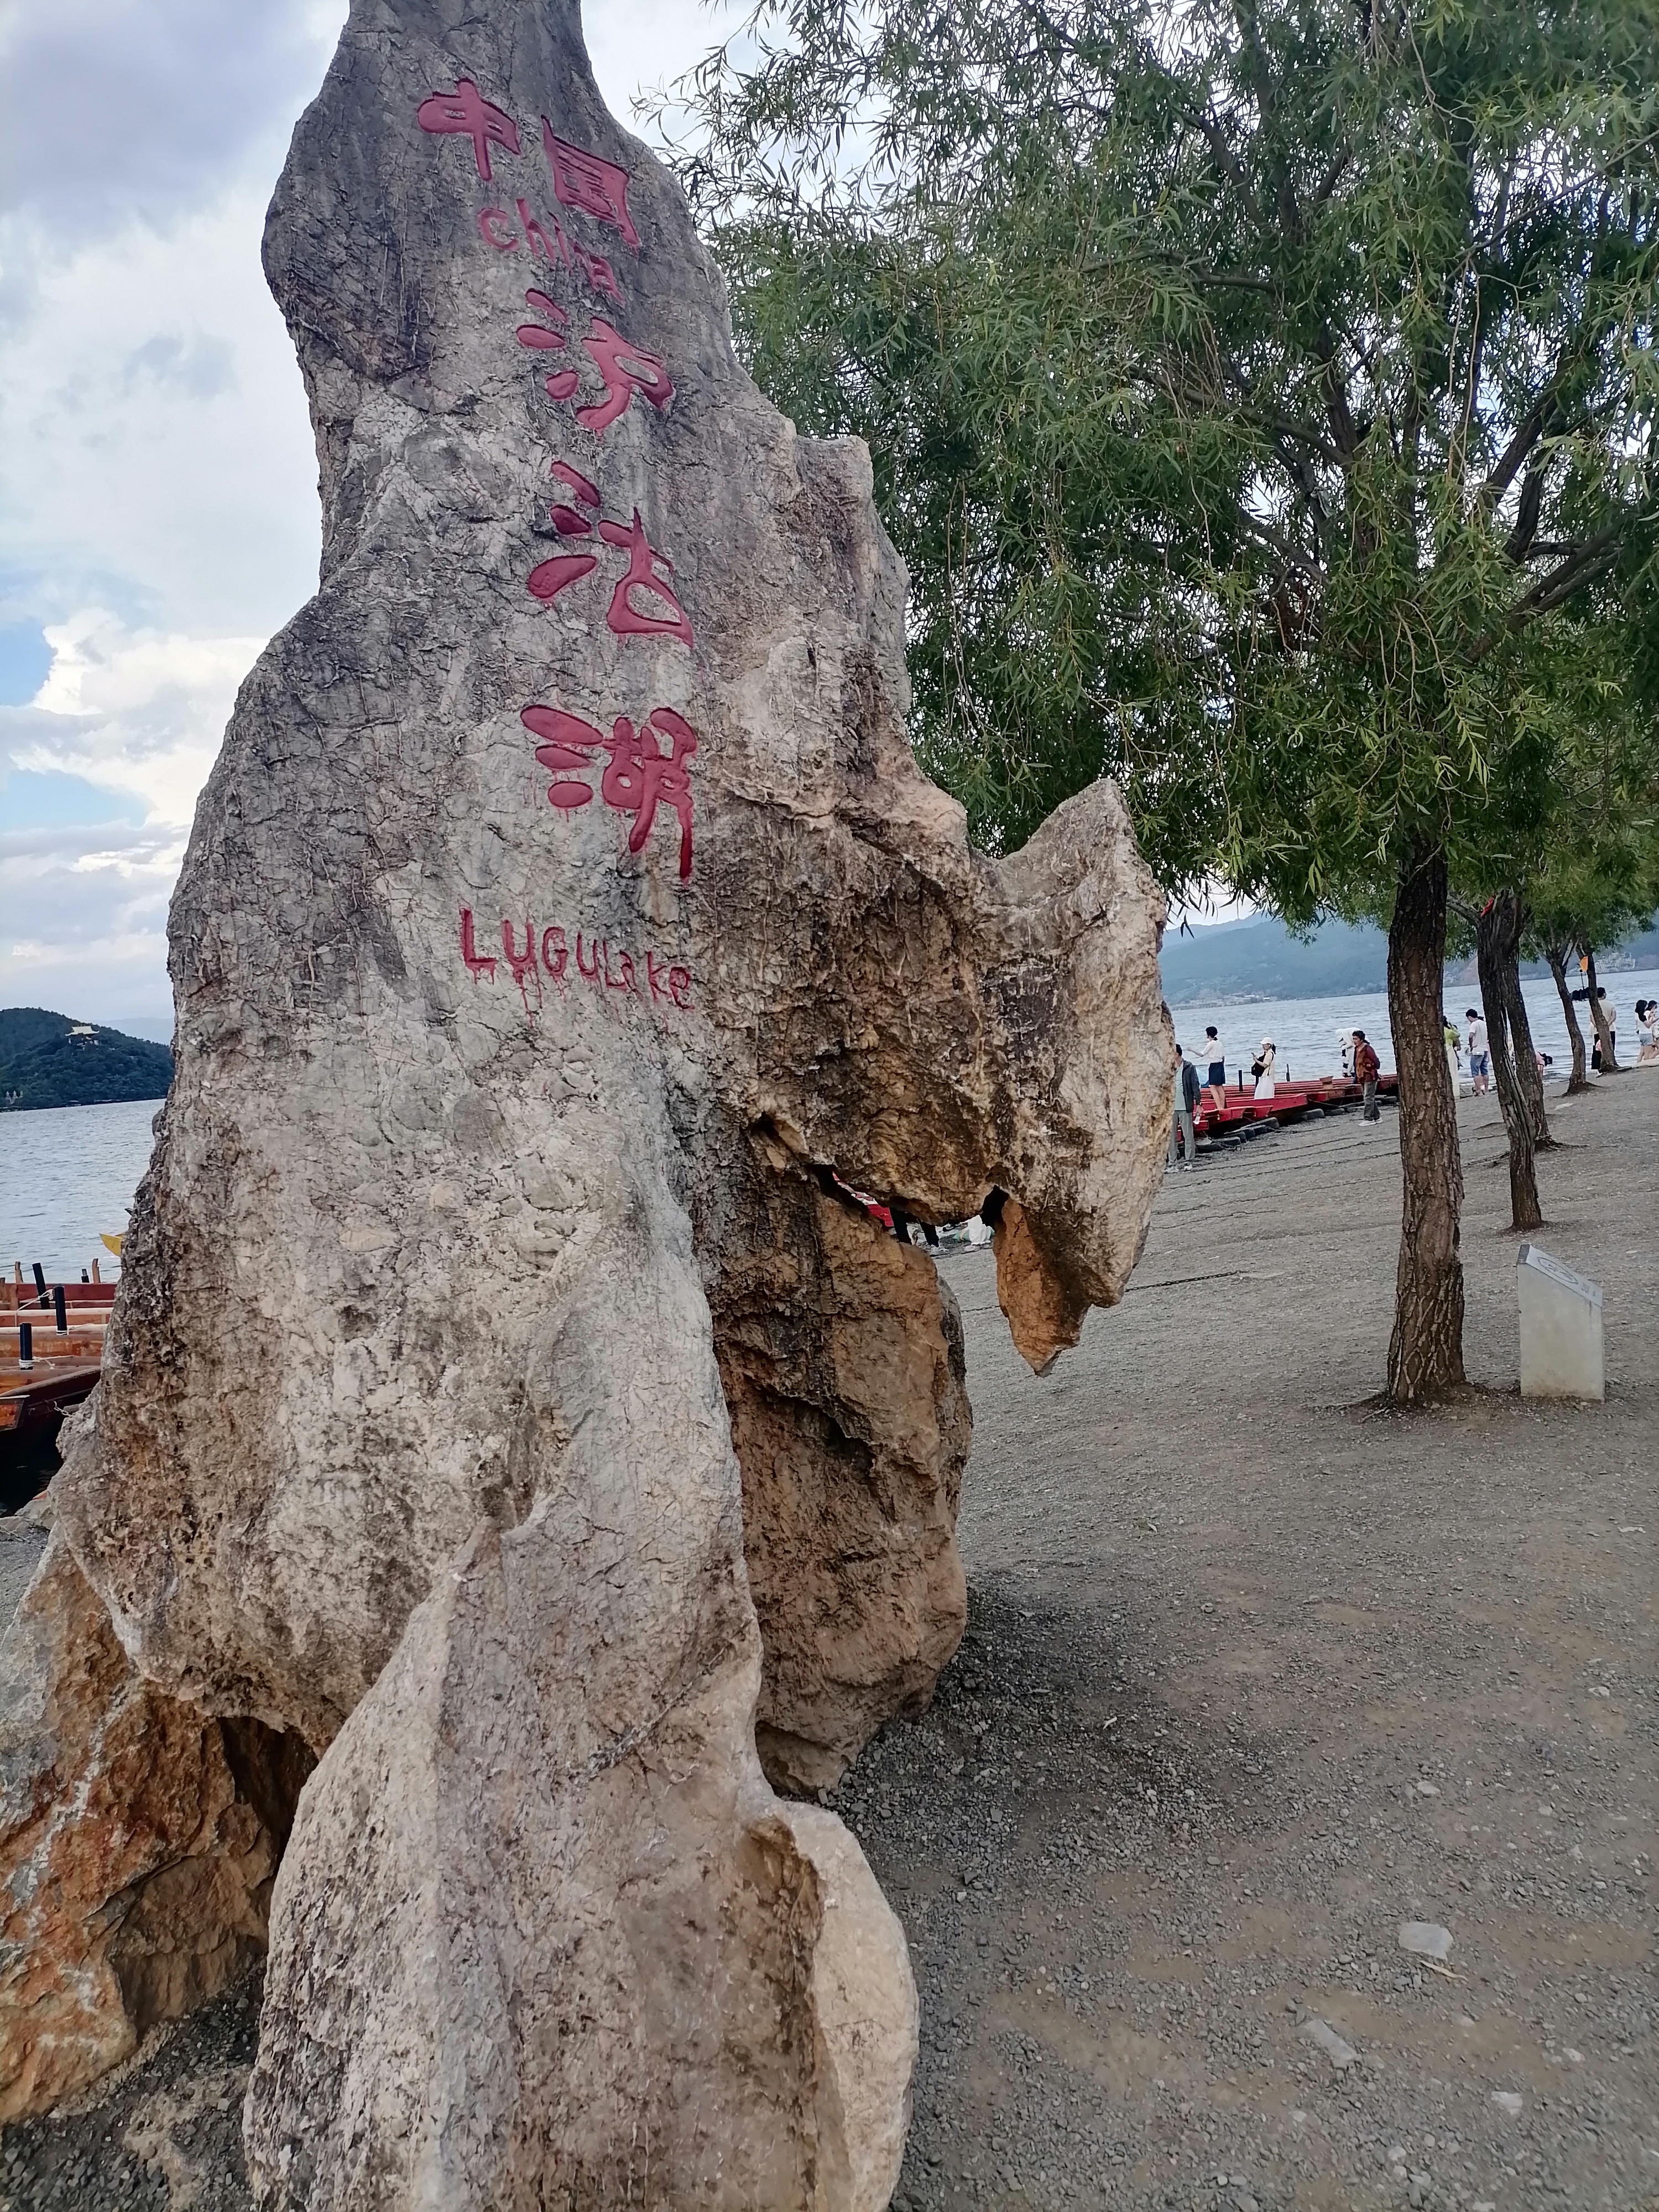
(45, 798)
(25, 664)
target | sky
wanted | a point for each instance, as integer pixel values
(158, 484)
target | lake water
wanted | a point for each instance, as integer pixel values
(1305, 1030)
(68, 1172)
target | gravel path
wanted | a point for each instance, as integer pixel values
(1254, 1674)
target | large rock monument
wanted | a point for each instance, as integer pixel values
(511, 1418)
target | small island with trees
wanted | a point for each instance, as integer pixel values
(48, 1059)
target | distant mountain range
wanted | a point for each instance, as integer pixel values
(48, 1059)
(1230, 962)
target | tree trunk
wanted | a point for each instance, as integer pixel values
(1425, 1352)
(1557, 956)
(1528, 1075)
(1603, 1034)
(1497, 933)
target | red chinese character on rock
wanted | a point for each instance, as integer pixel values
(589, 182)
(540, 337)
(626, 368)
(566, 752)
(549, 577)
(648, 570)
(467, 112)
(643, 560)
(639, 775)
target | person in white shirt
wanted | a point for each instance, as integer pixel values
(1480, 1053)
(1263, 1069)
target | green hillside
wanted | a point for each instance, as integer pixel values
(1230, 962)
(46, 1060)
(1259, 958)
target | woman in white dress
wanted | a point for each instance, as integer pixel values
(1264, 1069)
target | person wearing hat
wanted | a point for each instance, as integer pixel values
(1262, 1068)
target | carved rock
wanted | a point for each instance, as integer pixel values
(840, 1355)
(515, 1963)
(139, 1844)
(867, 2018)
(561, 930)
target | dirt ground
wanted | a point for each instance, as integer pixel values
(1254, 1674)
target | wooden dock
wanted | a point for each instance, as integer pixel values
(1238, 1110)
(63, 1372)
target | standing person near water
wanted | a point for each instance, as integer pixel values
(1216, 1073)
(1480, 1053)
(1262, 1068)
(1186, 1104)
(1647, 1032)
(1454, 1050)
(1367, 1068)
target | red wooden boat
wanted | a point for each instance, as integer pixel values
(1237, 1107)
(63, 1371)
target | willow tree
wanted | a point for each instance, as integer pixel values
(1253, 387)
(1585, 870)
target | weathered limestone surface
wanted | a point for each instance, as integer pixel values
(841, 1358)
(139, 1839)
(868, 2022)
(552, 952)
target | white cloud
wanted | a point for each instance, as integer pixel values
(156, 453)
(84, 927)
(144, 108)
(137, 711)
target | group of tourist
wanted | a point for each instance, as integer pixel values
(1359, 1064)
(1647, 1028)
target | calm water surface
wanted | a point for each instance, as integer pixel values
(67, 1173)
(1305, 1030)
(70, 1171)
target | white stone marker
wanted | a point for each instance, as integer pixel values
(1561, 1348)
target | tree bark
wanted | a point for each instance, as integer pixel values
(1557, 956)
(1603, 1034)
(1425, 1352)
(1497, 934)
(1528, 1075)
